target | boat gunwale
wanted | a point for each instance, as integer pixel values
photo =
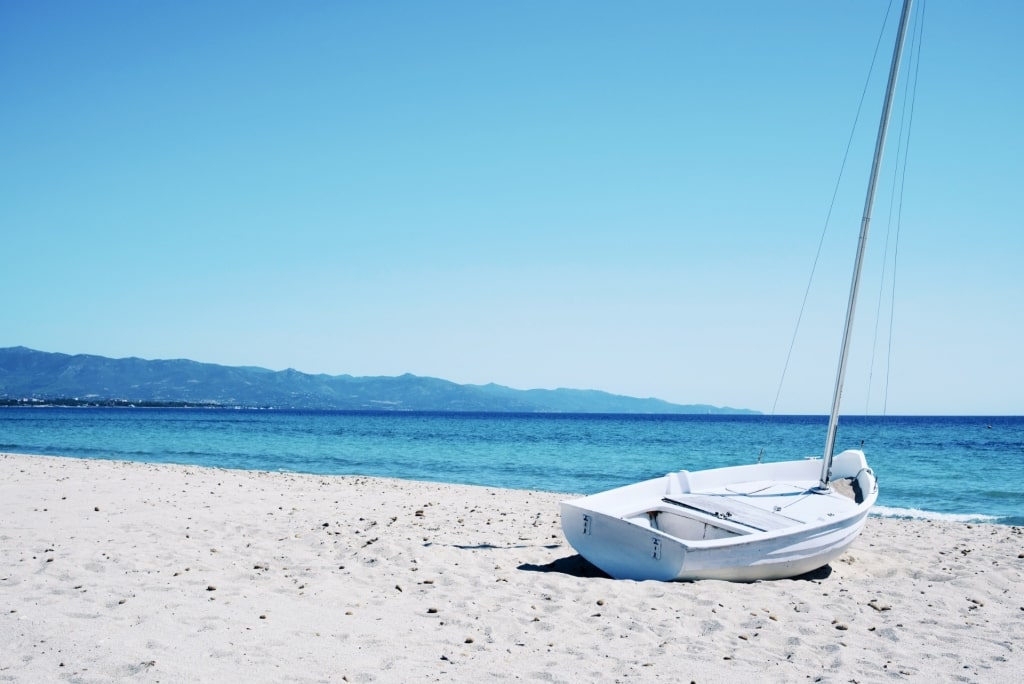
(745, 537)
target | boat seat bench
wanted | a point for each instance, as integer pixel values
(733, 511)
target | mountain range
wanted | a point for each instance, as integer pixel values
(32, 377)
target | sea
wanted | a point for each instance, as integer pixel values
(968, 469)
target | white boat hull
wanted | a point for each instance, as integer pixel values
(742, 523)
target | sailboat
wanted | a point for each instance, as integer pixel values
(750, 522)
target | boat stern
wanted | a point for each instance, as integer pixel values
(619, 547)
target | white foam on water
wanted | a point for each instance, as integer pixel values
(918, 514)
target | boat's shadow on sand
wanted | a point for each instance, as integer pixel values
(578, 566)
(575, 565)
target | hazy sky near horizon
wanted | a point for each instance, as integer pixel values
(606, 195)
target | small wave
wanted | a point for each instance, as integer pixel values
(918, 514)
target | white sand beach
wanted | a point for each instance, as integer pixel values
(114, 571)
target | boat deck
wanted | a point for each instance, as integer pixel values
(765, 506)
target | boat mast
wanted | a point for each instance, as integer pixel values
(833, 421)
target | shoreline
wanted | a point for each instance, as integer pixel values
(877, 511)
(116, 570)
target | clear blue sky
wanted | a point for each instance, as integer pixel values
(608, 195)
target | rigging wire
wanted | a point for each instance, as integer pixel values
(828, 219)
(895, 216)
(918, 40)
(831, 207)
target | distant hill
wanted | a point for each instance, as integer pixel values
(27, 374)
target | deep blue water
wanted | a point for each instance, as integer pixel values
(933, 467)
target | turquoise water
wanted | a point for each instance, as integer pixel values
(928, 467)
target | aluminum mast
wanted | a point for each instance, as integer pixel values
(833, 421)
